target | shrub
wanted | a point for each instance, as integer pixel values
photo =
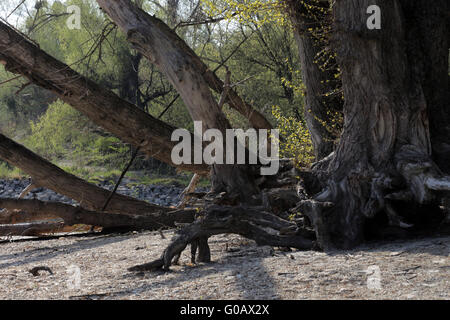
(63, 133)
(295, 140)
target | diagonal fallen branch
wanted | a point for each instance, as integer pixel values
(46, 174)
(101, 106)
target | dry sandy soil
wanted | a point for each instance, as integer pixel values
(413, 269)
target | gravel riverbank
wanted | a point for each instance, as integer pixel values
(163, 195)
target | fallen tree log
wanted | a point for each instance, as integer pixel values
(263, 227)
(32, 210)
(102, 106)
(47, 175)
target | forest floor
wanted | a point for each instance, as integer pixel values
(407, 269)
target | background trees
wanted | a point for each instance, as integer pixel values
(261, 55)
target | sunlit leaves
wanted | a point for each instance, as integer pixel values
(295, 140)
(248, 11)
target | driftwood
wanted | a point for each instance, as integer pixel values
(21, 211)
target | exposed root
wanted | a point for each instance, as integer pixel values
(265, 228)
(438, 184)
(394, 218)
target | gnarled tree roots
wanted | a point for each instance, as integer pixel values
(253, 223)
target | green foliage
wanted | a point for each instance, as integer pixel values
(295, 140)
(244, 11)
(8, 172)
(64, 133)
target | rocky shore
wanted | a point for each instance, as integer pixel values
(164, 195)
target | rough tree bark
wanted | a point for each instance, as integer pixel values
(101, 106)
(383, 162)
(189, 75)
(322, 98)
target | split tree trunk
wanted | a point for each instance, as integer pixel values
(191, 78)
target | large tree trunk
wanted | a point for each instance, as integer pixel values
(383, 160)
(101, 106)
(322, 97)
(188, 74)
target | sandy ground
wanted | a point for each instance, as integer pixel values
(95, 267)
